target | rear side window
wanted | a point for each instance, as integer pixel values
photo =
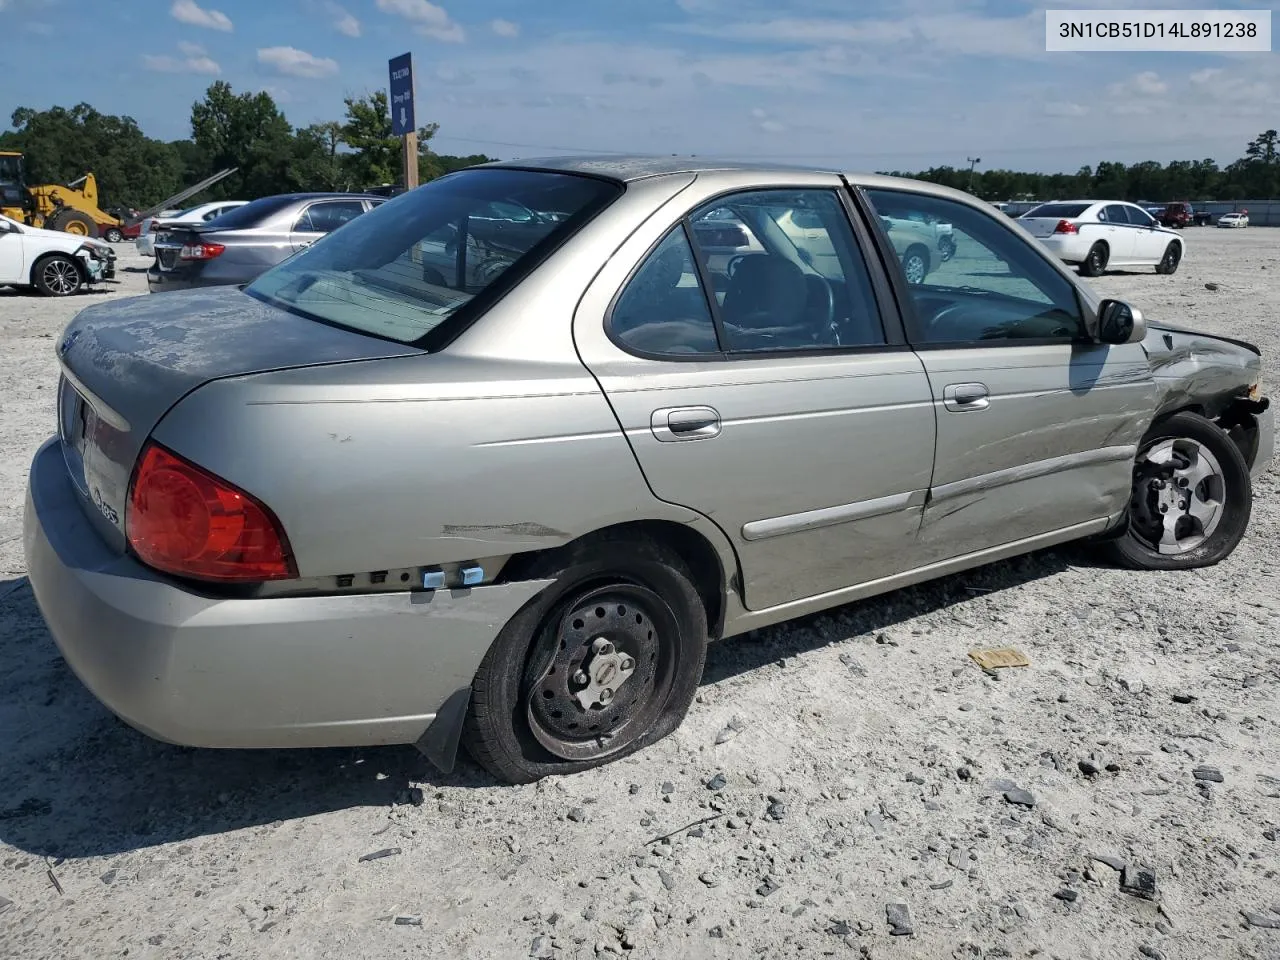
(1116, 213)
(328, 215)
(663, 310)
(1061, 211)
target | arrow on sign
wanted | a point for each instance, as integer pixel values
(404, 119)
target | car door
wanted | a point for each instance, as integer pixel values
(1149, 241)
(13, 266)
(1037, 423)
(778, 399)
(322, 217)
(1121, 236)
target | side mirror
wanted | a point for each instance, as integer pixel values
(1119, 323)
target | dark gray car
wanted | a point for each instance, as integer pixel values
(237, 246)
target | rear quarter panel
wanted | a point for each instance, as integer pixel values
(500, 443)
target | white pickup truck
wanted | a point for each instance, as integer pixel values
(55, 263)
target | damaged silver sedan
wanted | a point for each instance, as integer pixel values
(493, 463)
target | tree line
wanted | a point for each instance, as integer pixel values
(1254, 176)
(249, 131)
(228, 129)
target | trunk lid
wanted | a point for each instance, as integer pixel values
(127, 362)
(1040, 226)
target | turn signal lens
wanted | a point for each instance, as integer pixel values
(184, 520)
(1065, 226)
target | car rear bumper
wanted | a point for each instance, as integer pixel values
(1067, 247)
(317, 671)
(163, 281)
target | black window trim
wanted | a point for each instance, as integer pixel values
(890, 319)
(906, 303)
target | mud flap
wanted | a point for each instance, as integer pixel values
(439, 742)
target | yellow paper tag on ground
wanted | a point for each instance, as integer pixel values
(1004, 657)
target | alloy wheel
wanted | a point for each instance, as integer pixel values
(1179, 495)
(61, 276)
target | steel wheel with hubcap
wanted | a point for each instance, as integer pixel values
(57, 276)
(1191, 499)
(604, 662)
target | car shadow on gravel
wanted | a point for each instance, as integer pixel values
(77, 782)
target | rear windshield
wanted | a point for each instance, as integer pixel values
(252, 213)
(404, 268)
(1062, 211)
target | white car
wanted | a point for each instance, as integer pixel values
(1233, 220)
(1095, 235)
(203, 213)
(55, 263)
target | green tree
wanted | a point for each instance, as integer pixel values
(318, 162)
(61, 145)
(367, 131)
(247, 131)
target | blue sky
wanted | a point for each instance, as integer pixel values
(875, 84)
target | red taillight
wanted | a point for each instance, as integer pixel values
(200, 251)
(185, 521)
(1065, 226)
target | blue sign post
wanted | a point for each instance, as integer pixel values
(402, 120)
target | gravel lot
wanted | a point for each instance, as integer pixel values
(866, 763)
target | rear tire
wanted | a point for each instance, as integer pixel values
(69, 220)
(113, 235)
(1217, 489)
(1168, 264)
(525, 721)
(1095, 261)
(915, 264)
(57, 275)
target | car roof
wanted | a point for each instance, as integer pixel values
(322, 196)
(629, 168)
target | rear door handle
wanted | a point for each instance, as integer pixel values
(685, 423)
(965, 397)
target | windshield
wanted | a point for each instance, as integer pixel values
(405, 267)
(1061, 211)
(10, 169)
(253, 213)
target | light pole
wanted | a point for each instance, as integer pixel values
(972, 162)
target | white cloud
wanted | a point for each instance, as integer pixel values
(504, 28)
(1065, 109)
(1144, 84)
(188, 11)
(293, 62)
(343, 21)
(430, 20)
(194, 61)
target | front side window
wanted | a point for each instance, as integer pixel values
(1139, 216)
(977, 280)
(396, 271)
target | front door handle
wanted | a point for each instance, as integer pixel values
(685, 423)
(965, 397)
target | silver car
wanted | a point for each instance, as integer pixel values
(239, 244)
(373, 498)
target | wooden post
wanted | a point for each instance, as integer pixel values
(411, 160)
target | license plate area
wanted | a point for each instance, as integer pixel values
(76, 424)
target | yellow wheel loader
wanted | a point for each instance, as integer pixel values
(71, 208)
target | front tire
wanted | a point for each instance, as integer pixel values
(1168, 264)
(915, 264)
(1192, 497)
(57, 275)
(113, 235)
(604, 662)
(1095, 261)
